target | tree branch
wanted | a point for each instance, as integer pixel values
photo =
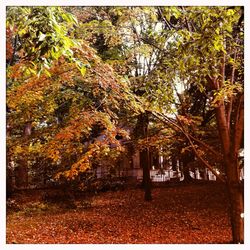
(197, 154)
(206, 146)
(239, 125)
(229, 109)
(178, 128)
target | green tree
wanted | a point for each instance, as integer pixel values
(207, 51)
(203, 47)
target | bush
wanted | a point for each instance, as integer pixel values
(106, 184)
(61, 197)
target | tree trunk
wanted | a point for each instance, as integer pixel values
(187, 177)
(236, 202)
(141, 131)
(146, 182)
(236, 212)
(174, 163)
(9, 181)
(186, 159)
(230, 152)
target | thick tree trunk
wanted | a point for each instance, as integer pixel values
(186, 159)
(187, 177)
(236, 213)
(141, 131)
(230, 152)
(146, 182)
(236, 202)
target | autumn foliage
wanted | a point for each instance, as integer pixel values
(88, 87)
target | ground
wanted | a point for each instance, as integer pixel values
(194, 213)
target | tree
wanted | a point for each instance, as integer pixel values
(35, 37)
(71, 111)
(66, 101)
(142, 59)
(204, 48)
(208, 52)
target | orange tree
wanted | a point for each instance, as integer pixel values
(62, 99)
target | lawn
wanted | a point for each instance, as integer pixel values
(195, 213)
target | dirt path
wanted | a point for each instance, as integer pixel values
(181, 214)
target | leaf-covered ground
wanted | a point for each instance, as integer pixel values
(195, 213)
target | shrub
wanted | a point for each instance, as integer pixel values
(61, 197)
(106, 184)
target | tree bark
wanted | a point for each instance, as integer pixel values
(9, 182)
(235, 192)
(186, 159)
(141, 131)
(174, 163)
(146, 182)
